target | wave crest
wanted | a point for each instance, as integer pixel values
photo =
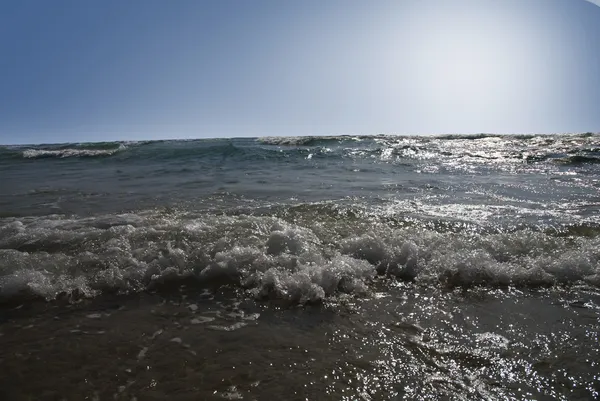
(306, 140)
(71, 152)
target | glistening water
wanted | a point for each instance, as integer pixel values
(327, 268)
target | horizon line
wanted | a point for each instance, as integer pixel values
(478, 134)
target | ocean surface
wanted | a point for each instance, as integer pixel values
(319, 268)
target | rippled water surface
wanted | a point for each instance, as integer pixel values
(369, 268)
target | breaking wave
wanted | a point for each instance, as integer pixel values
(308, 140)
(298, 260)
(83, 151)
(504, 151)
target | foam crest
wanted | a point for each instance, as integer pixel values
(314, 281)
(273, 258)
(70, 152)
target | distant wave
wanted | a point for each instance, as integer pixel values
(573, 160)
(307, 140)
(83, 151)
(511, 136)
(468, 136)
(476, 150)
(571, 149)
(579, 159)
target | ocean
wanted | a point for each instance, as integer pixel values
(302, 268)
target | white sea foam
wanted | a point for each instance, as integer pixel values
(272, 258)
(71, 152)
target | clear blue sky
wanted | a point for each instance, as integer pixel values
(142, 69)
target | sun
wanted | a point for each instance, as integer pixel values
(471, 65)
(462, 60)
(466, 68)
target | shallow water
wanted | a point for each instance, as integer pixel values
(350, 268)
(406, 342)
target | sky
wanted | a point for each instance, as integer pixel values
(73, 71)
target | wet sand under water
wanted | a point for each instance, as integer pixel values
(406, 342)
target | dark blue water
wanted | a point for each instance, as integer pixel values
(465, 267)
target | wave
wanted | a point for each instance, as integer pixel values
(476, 150)
(307, 257)
(216, 151)
(472, 136)
(504, 151)
(308, 140)
(65, 152)
(578, 160)
(515, 136)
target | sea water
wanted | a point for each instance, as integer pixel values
(369, 267)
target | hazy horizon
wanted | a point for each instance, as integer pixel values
(110, 71)
(209, 138)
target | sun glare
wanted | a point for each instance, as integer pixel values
(472, 64)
